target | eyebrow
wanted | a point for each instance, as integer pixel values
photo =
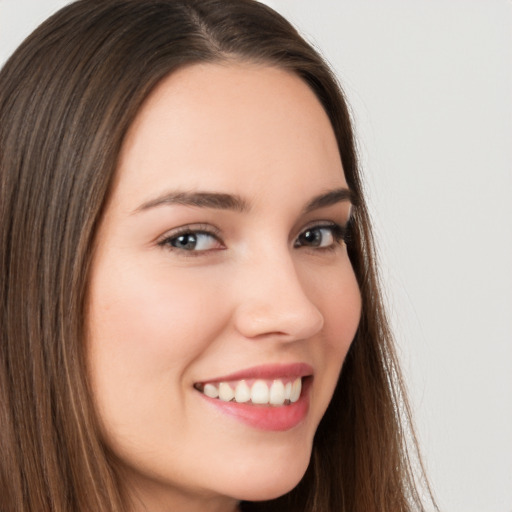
(215, 200)
(221, 201)
(330, 198)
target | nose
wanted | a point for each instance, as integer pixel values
(273, 302)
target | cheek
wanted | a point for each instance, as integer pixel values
(339, 299)
(341, 307)
(144, 333)
(344, 313)
(151, 315)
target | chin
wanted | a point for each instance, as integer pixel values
(269, 481)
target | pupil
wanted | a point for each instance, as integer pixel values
(312, 237)
(186, 241)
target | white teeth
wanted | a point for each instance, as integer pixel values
(277, 393)
(211, 390)
(296, 389)
(288, 391)
(260, 392)
(225, 392)
(242, 392)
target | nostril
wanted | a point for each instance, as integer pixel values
(283, 318)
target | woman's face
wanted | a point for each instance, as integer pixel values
(220, 269)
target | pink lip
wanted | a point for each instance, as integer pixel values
(275, 371)
(267, 417)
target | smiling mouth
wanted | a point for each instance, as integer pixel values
(269, 392)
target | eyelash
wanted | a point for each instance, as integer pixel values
(339, 234)
(190, 230)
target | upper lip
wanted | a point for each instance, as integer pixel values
(268, 371)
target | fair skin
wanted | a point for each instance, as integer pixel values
(188, 287)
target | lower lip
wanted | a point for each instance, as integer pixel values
(266, 417)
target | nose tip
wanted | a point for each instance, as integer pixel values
(278, 306)
(254, 322)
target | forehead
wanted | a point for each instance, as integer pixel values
(209, 125)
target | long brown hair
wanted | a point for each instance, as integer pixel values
(67, 98)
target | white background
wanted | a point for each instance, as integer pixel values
(430, 85)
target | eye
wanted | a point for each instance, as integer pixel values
(190, 240)
(323, 236)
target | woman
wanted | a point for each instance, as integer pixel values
(190, 313)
